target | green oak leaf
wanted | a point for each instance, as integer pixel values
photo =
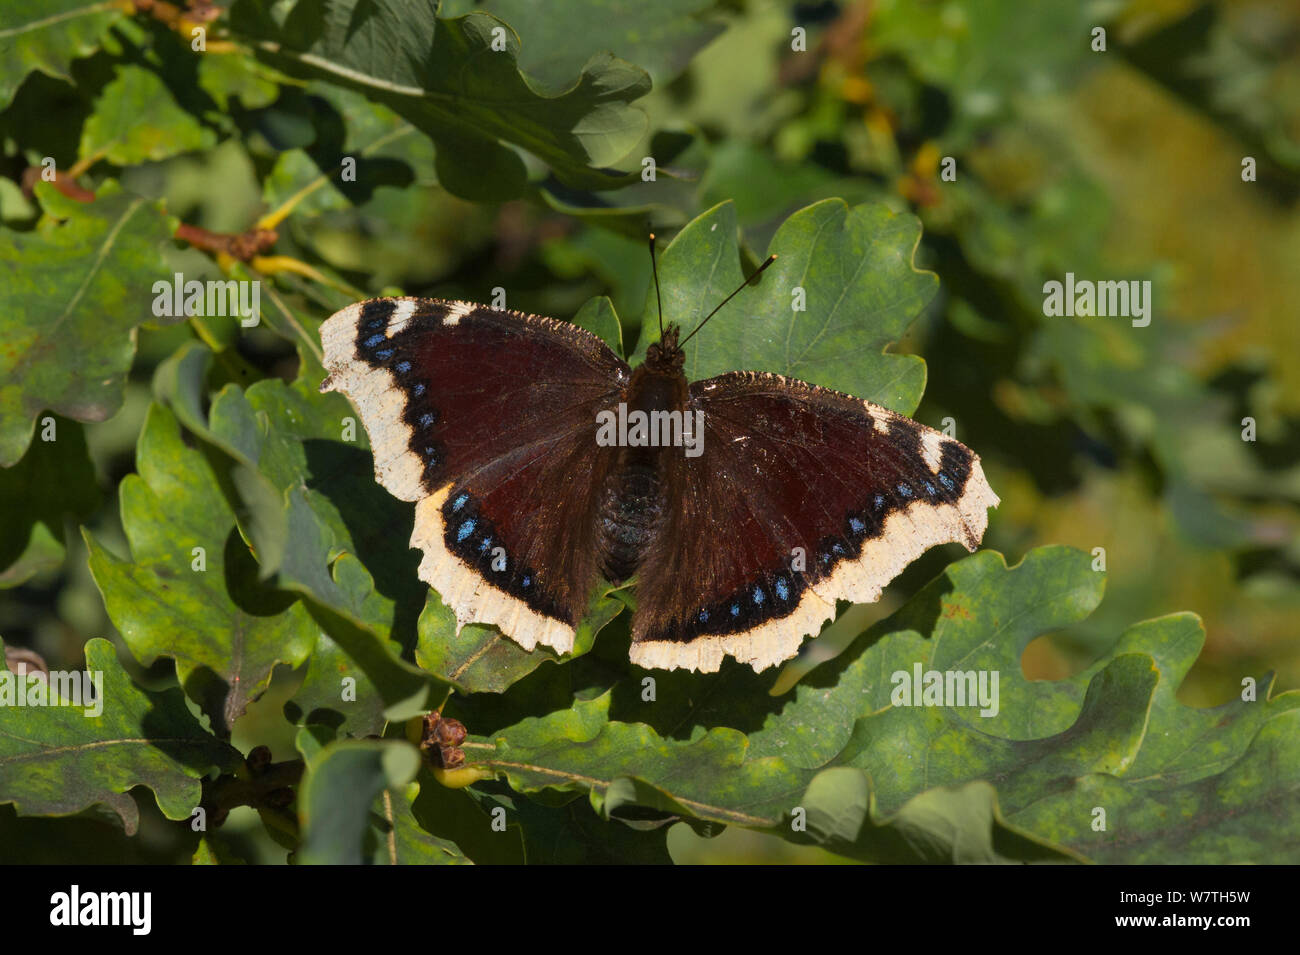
(136, 120)
(908, 749)
(180, 380)
(212, 851)
(325, 698)
(48, 36)
(457, 81)
(403, 841)
(57, 760)
(598, 317)
(766, 189)
(1185, 743)
(843, 287)
(627, 769)
(948, 824)
(868, 775)
(981, 615)
(559, 38)
(348, 780)
(978, 614)
(1249, 812)
(54, 480)
(71, 295)
(572, 833)
(464, 816)
(190, 590)
(295, 174)
(569, 832)
(317, 519)
(481, 659)
(232, 76)
(294, 436)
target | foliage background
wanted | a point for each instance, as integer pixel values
(1122, 164)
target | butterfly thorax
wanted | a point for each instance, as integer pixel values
(633, 498)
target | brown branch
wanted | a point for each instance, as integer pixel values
(243, 246)
(261, 784)
(238, 245)
(61, 181)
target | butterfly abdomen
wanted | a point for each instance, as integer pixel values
(633, 500)
(631, 508)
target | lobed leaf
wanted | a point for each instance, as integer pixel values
(71, 296)
(136, 120)
(54, 480)
(457, 80)
(843, 287)
(190, 590)
(48, 36)
(59, 760)
(849, 763)
(318, 520)
(559, 39)
(342, 781)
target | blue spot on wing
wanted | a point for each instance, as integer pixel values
(384, 354)
(857, 525)
(782, 590)
(704, 616)
(419, 389)
(426, 420)
(373, 340)
(735, 610)
(457, 504)
(759, 596)
(904, 490)
(465, 529)
(403, 367)
(946, 481)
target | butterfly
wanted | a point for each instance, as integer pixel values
(541, 463)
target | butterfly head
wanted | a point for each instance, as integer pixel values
(665, 356)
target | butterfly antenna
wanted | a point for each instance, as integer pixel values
(758, 271)
(658, 298)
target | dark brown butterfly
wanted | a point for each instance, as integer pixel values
(492, 420)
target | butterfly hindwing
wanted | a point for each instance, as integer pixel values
(485, 418)
(801, 496)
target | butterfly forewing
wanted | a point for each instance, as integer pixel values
(802, 496)
(485, 417)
